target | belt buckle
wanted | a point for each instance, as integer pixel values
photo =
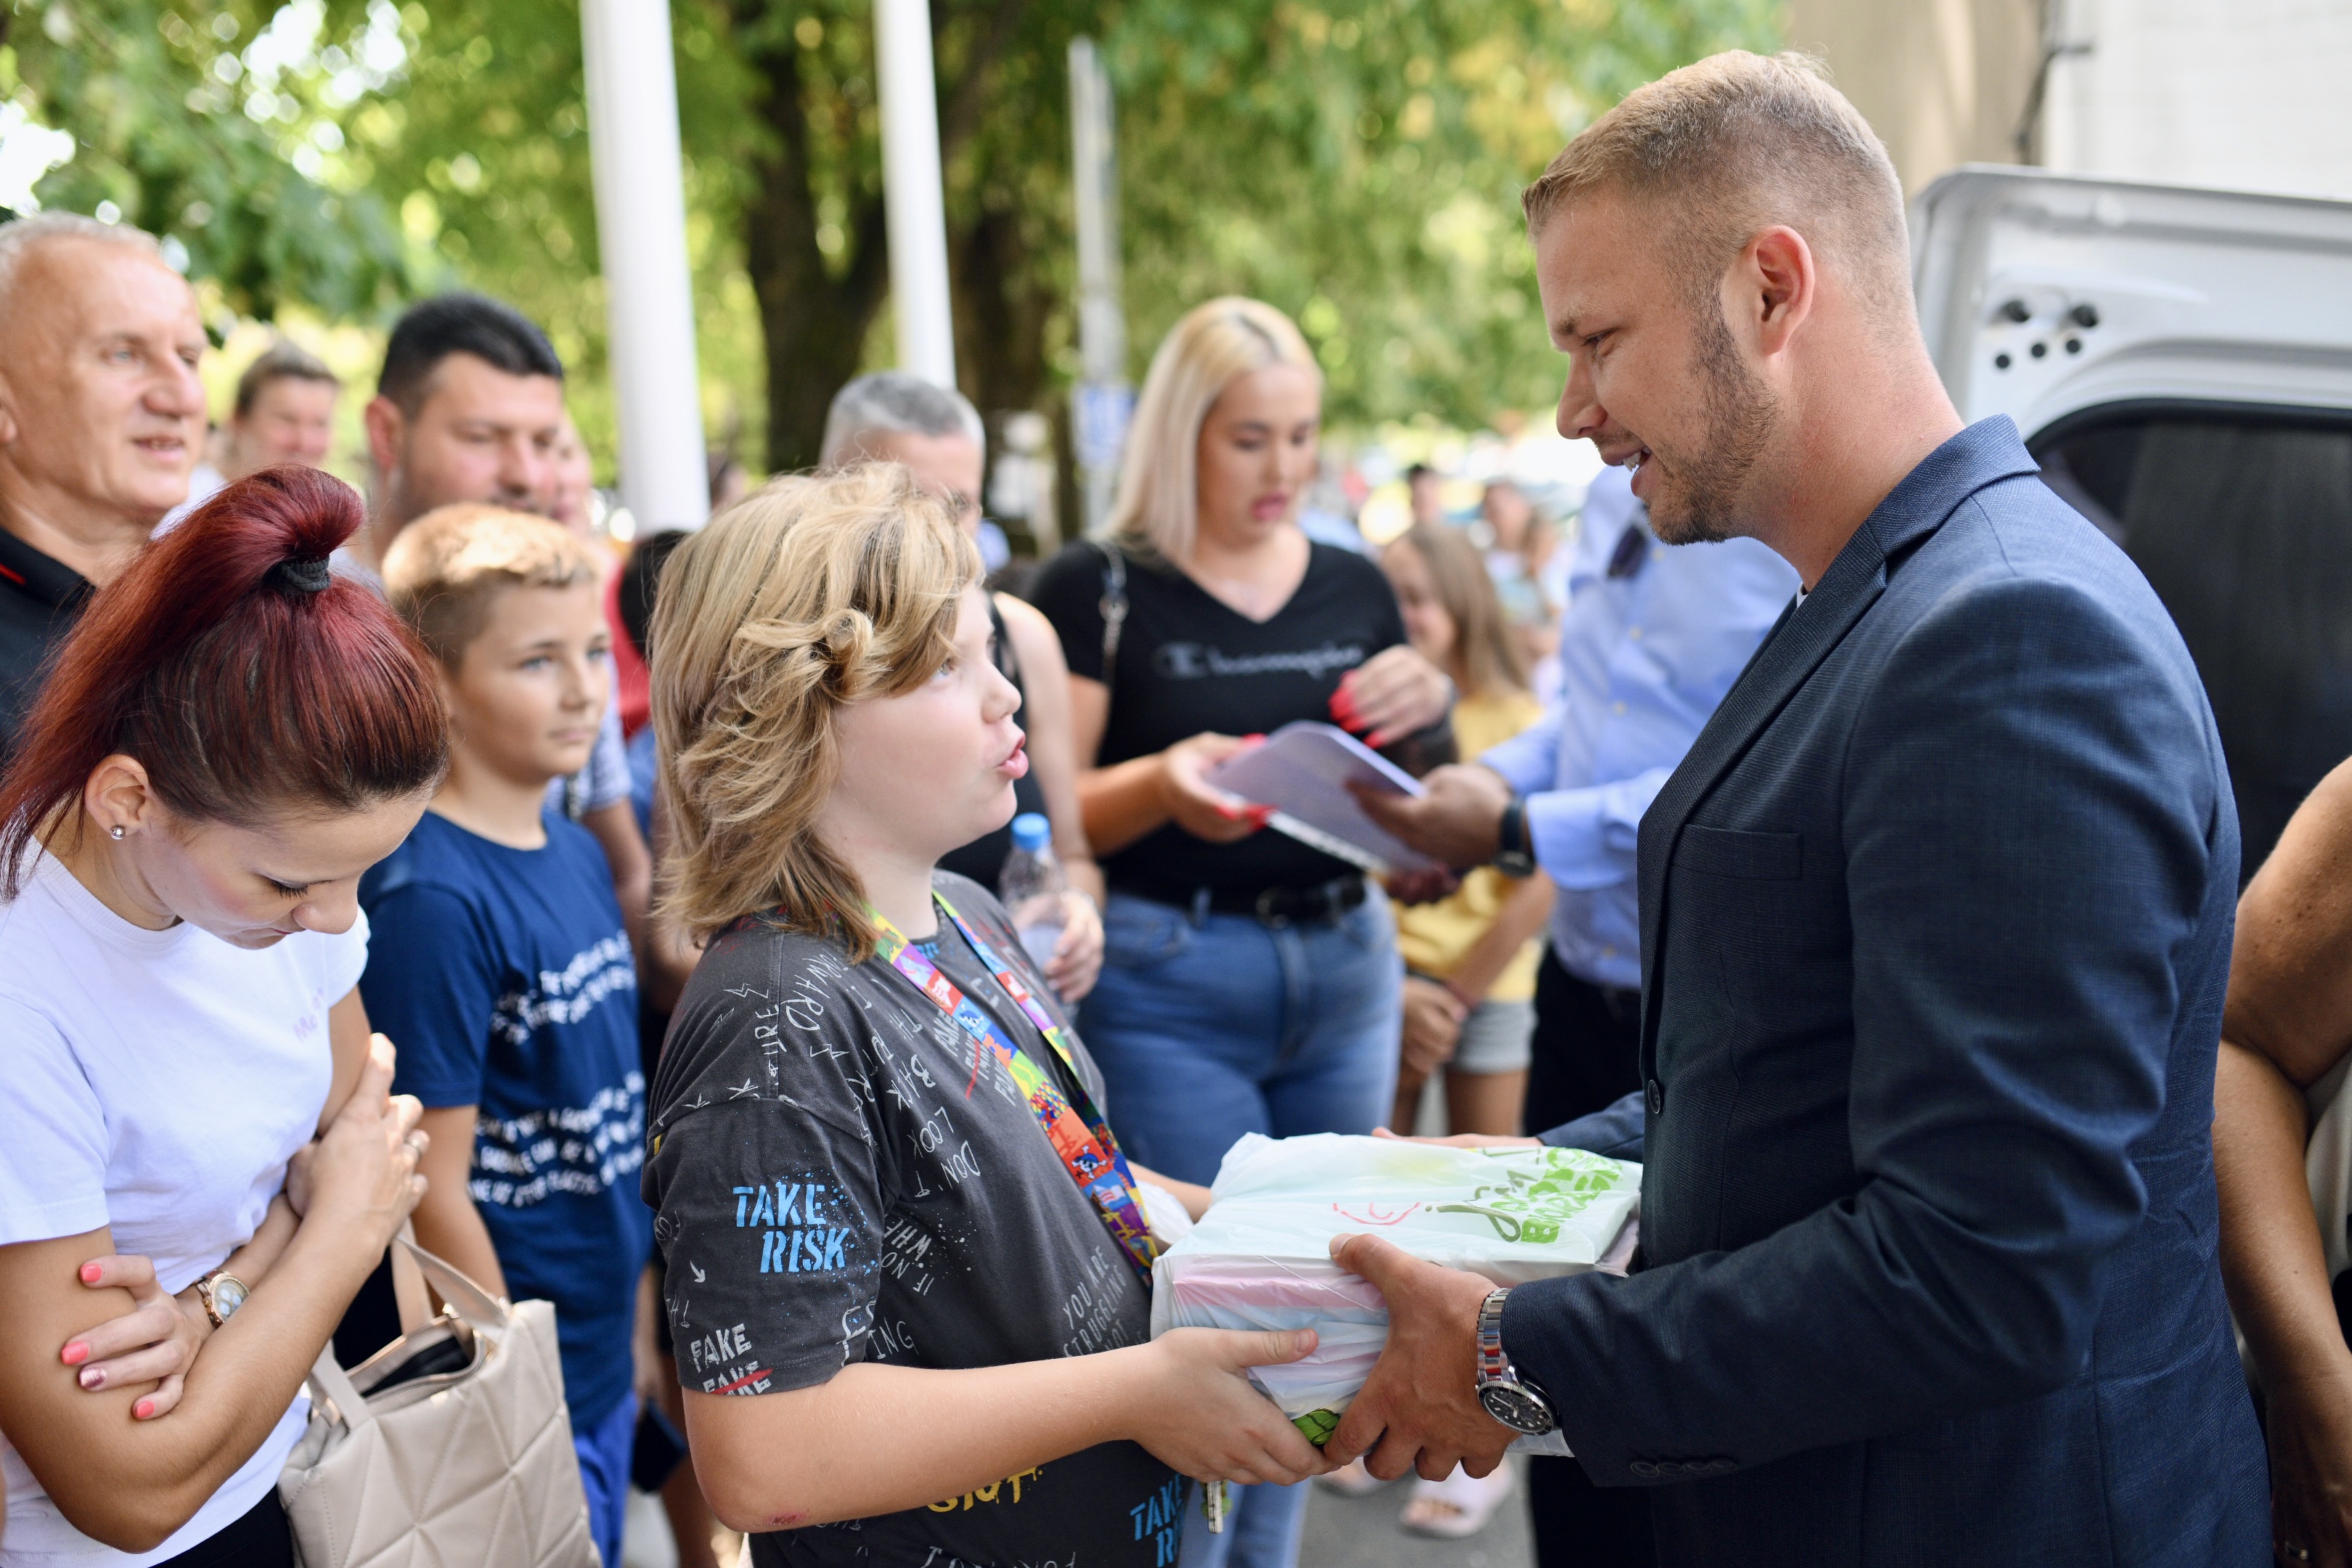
(1263, 907)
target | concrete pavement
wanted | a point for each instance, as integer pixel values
(1361, 1532)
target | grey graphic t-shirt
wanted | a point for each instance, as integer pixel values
(840, 1177)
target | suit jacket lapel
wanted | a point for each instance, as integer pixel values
(1794, 650)
(1983, 454)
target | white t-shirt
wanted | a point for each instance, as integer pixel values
(156, 1082)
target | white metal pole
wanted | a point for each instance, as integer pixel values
(1104, 399)
(641, 231)
(912, 202)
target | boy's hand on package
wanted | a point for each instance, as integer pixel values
(155, 1341)
(1420, 1409)
(1202, 1418)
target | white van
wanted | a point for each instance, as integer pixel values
(2180, 362)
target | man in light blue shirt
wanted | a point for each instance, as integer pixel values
(1651, 640)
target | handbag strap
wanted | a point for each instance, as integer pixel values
(331, 1387)
(476, 1307)
(332, 1392)
(1113, 605)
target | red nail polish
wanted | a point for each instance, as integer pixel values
(90, 1273)
(75, 1353)
(143, 1409)
(1254, 740)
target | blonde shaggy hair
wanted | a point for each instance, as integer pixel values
(1735, 143)
(1159, 483)
(445, 569)
(808, 595)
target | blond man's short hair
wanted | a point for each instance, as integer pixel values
(444, 570)
(1158, 506)
(804, 597)
(1733, 145)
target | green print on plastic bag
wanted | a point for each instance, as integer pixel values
(1531, 1205)
(1318, 1426)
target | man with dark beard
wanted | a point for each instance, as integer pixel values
(1935, 925)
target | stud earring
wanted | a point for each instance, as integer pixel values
(118, 830)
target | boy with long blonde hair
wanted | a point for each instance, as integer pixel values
(908, 1262)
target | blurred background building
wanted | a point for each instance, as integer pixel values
(2246, 96)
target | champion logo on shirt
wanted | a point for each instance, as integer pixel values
(568, 995)
(1196, 661)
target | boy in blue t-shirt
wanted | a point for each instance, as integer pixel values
(498, 965)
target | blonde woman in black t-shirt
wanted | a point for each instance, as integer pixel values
(1250, 983)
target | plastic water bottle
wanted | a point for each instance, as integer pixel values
(1031, 887)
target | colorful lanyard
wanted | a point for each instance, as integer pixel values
(1077, 1132)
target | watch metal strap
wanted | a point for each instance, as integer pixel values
(1493, 1365)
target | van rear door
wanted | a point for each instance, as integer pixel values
(2180, 362)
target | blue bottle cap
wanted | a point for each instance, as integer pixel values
(1032, 832)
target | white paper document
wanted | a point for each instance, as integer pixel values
(1302, 770)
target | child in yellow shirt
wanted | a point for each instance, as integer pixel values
(1470, 959)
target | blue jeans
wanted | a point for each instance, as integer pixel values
(603, 1451)
(1209, 1029)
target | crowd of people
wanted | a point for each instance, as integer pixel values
(1834, 824)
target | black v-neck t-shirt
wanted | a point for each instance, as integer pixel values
(1188, 662)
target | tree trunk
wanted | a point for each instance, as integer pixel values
(1001, 313)
(813, 322)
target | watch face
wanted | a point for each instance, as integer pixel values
(1520, 1408)
(228, 1295)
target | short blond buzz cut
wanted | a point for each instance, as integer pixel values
(1736, 143)
(444, 571)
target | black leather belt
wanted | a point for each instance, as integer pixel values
(1275, 907)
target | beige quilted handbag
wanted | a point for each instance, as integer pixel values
(449, 1446)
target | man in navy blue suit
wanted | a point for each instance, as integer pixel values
(1936, 921)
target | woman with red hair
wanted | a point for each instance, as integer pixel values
(226, 741)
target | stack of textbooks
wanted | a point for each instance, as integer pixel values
(1261, 1256)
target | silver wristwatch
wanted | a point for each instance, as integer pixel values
(1508, 1398)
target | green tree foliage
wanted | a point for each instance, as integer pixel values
(214, 127)
(1355, 161)
(1360, 163)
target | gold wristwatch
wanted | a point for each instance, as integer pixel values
(222, 1293)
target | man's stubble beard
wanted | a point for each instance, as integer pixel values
(1741, 418)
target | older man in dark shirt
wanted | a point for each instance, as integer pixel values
(101, 421)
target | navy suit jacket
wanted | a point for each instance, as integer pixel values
(1936, 921)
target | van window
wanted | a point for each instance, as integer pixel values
(2241, 519)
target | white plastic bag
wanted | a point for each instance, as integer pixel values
(1261, 1257)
